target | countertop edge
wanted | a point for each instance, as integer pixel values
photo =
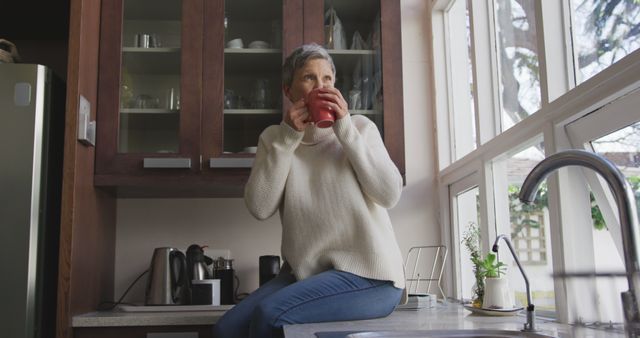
(112, 319)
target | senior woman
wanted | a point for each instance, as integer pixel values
(332, 187)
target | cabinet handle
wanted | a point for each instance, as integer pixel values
(167, 162)
(227, 162)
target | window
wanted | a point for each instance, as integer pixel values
(518, 59)
(462, 100)
(604, 32)
(525, 224)
(519, 70)
(599, 131)
(467, 221)
(621, 147)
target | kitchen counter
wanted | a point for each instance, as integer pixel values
(448, 317)
(120, 318)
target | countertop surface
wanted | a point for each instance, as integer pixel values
(451, 316)
(444, 316)
(123, 318)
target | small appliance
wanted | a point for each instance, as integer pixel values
(223, 270)
(269, 267)
(197, 263)
(168, 282)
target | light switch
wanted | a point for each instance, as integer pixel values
(86, 127)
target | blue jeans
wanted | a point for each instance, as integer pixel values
(329, 296)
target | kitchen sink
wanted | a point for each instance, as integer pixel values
(448, 334)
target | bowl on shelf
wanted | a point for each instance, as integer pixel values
(235, 43)
(259, 44)
(251, 150)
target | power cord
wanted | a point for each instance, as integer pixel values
(108, 306)
(236, 296)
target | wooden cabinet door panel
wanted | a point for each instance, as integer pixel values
(145, 115)
(363, 16)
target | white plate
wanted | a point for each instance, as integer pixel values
(493, 312)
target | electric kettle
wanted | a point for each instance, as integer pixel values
(168, 282)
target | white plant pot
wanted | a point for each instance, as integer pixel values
(497, 294)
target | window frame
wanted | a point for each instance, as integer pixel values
(462, 185)
(599, 123)
(563, 102)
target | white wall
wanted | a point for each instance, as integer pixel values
(144, 224)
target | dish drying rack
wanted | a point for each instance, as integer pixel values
(435, 271)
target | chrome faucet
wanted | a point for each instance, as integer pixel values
(625, 200)
(530, 325)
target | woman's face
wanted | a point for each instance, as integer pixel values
(316, 73)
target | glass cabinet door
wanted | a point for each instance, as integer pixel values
(150, 83)
(252, 98)
(149, 110)
(364, 39)
(353, 37)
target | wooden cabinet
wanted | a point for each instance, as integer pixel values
(187, 86)
(380, 62)
(188, 331)
(147, 50)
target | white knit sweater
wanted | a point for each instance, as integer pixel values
(332, 187)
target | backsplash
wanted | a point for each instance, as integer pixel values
(144, 224)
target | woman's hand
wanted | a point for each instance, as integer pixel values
(297, 116)
(335, 101)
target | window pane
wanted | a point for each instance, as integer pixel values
(467, 220)
(518, 60)
(605, 32)
(622, 148)
(527, 226)
(464, 129)
(606, 259)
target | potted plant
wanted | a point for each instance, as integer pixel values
(497, 294)
(471, 240)
(490, 267)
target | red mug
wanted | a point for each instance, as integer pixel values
(320, 113)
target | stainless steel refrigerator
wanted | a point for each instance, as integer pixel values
(31, 146)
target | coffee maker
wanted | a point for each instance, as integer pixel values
(197, 263)
(223, 270)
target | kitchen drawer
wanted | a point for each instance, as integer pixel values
(190, 331)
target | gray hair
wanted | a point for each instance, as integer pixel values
(299, 57)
